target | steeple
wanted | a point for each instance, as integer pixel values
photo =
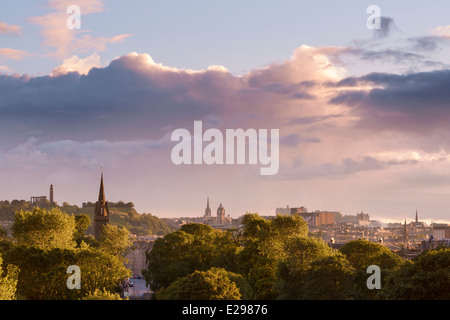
(207, 210)
(101, 194)
(101, 214)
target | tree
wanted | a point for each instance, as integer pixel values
(362, 253)
(42, 272)
(330, 278)
(426, 278)
(44, 229)
(8, 282)
(102, 295)
(115, 240)
(212, 284)
(193, 247)
(82, 223)
(264, 247)
(292, 272)
(100, 270)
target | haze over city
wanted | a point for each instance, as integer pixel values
(362, 114)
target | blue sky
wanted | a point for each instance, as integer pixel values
(240, 35)
(363, 119)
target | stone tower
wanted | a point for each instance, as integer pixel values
(101, 213)
(220, 214)
(51, 195)
(207, 210)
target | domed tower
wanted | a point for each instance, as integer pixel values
(220, 214)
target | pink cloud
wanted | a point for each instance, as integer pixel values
(66, 41)
(13, 54)
(11, 30)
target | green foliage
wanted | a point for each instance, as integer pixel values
(301, 253)
(102, 295)
(43, 247)
(126, 216)
(8, 282)
(212, 284)
(46, 229)
(330, 278)
(42, 272)
(100, 269)
(363, 253)
(82, 222)
(9, 209)
(426, 278)
(115, 240)
(193, 247)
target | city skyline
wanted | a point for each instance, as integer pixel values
(41, 200)
(362, 113)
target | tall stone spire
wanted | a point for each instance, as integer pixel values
(207, 210)
(101, 213)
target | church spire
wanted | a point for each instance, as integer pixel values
(101, 214)
(207, 210)
(101, 193)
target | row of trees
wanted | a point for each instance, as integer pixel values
(277, 259)
(44, 243)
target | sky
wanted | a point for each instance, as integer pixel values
(362, 113)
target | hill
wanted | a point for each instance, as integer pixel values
(120, 215)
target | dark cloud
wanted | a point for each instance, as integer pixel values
(137, 98)
(339, 169)
(427, 43)
(387, 26)
(415, 102)
(294, 139)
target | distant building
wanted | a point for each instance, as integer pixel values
(220, 214)
(42, 201)
(283, 211)
(39, 201)
(418, 223)
(137, 260)
(207, 210)
(362, 216)
(441, 231)
(299, 210)
(208, 218)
